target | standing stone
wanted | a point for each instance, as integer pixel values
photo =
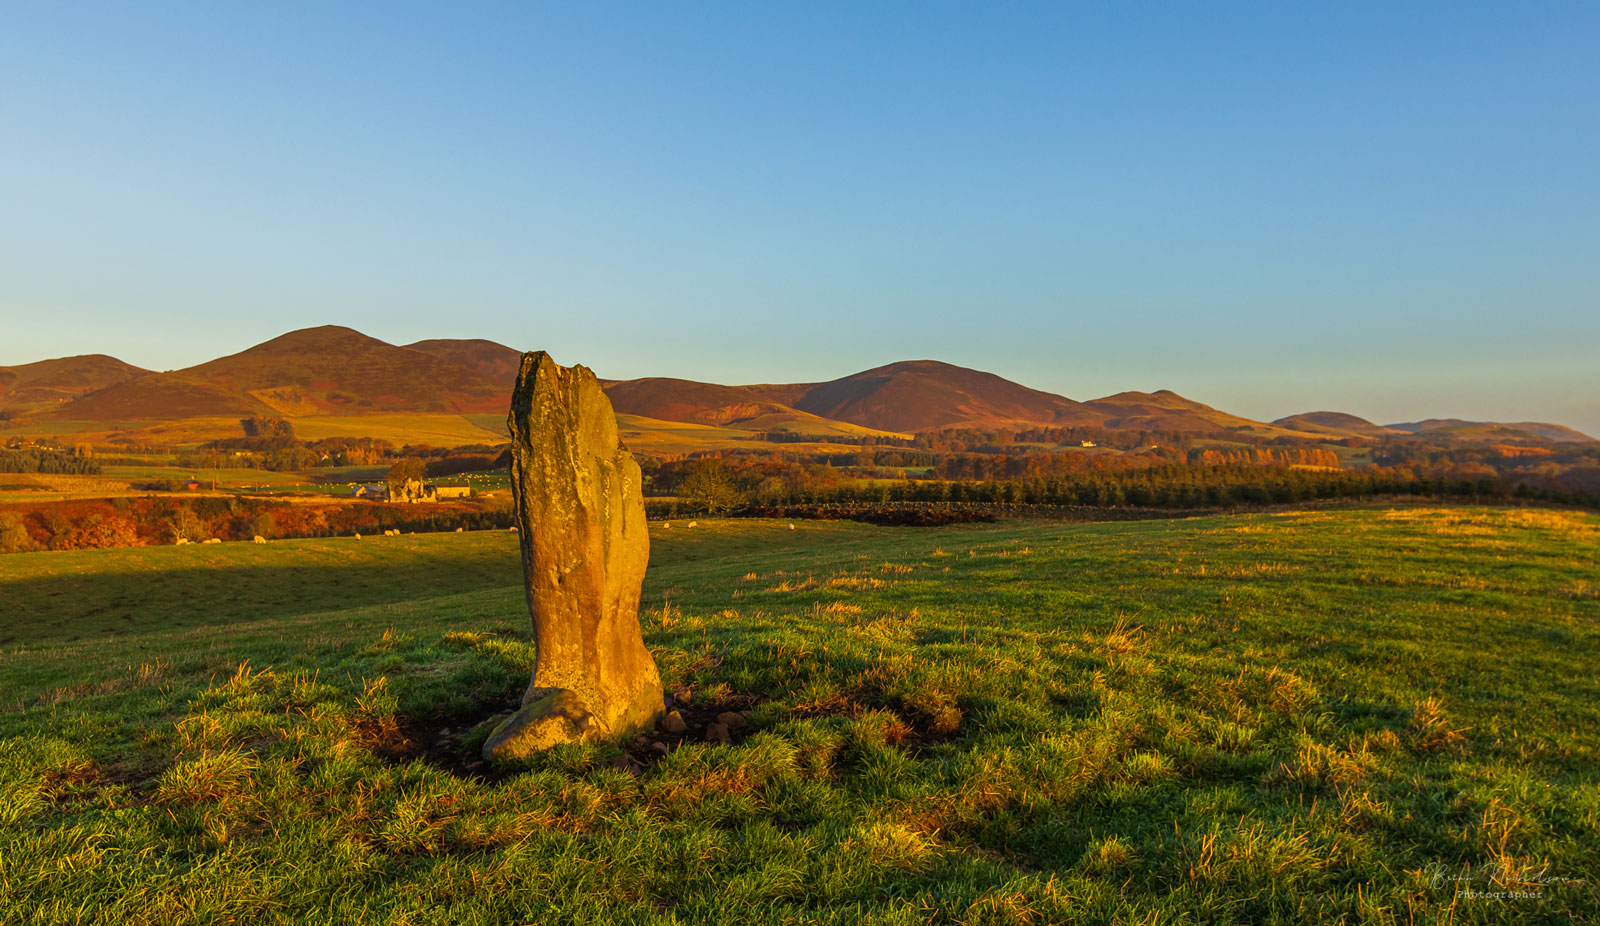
(580, 518)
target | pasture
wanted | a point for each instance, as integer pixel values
(1333, 716)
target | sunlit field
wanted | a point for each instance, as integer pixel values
(1340, 716)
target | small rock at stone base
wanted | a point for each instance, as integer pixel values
(673, 723)
(716, 733)
(659, 747)
(681, 695)
(731, 720)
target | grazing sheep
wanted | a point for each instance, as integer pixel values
(791, 527)
(258, 539)
(692, 524)
(180, 541)
(512, 528)
(458, 530)
(213, 540)
(390, 533)
(358, 536)
(666, 525)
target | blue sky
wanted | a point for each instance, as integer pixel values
(1387, 209)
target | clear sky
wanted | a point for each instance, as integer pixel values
(1390, 209)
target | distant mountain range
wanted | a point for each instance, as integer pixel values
(332, 370)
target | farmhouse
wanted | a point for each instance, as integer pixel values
(413, 491)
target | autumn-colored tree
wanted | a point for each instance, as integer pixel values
(709, 486)
(14, 537)
(404, 470)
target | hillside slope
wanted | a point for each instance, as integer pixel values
(1458, 429)
(490, 359)
(47, 383)
(671, 399)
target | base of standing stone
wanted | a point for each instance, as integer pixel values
(558, 717)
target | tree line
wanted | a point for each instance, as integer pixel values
(49, 462)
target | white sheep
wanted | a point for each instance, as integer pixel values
(692, 524)
(180, 541)
(213, 540)
(258, 539)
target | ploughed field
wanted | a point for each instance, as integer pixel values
(1350, 716)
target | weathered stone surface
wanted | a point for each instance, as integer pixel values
(580, 519)
(559, 716)
(673, 723)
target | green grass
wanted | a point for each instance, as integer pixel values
(1243, 718)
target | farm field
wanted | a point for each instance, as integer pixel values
(125, 481)
(647, 435)
(400, 429)
(1332, 716)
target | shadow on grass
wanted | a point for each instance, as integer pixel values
(73, 606)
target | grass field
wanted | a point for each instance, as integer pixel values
(1346, 716)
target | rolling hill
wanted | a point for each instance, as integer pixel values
(48, 383)
(1335, 424)
(337, 373)
(1459, 429)
(328, 370)
(922, 395)
(1165, 410)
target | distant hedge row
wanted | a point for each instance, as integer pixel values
(1178, 486)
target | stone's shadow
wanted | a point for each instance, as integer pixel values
(442, 739)
(72, 606)
(453, 742)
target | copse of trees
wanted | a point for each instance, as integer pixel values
(262, 426)
(49, 462)
(709, 486)
(1267, 456)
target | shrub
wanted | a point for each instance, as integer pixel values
(98, 533)
(14, 536)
